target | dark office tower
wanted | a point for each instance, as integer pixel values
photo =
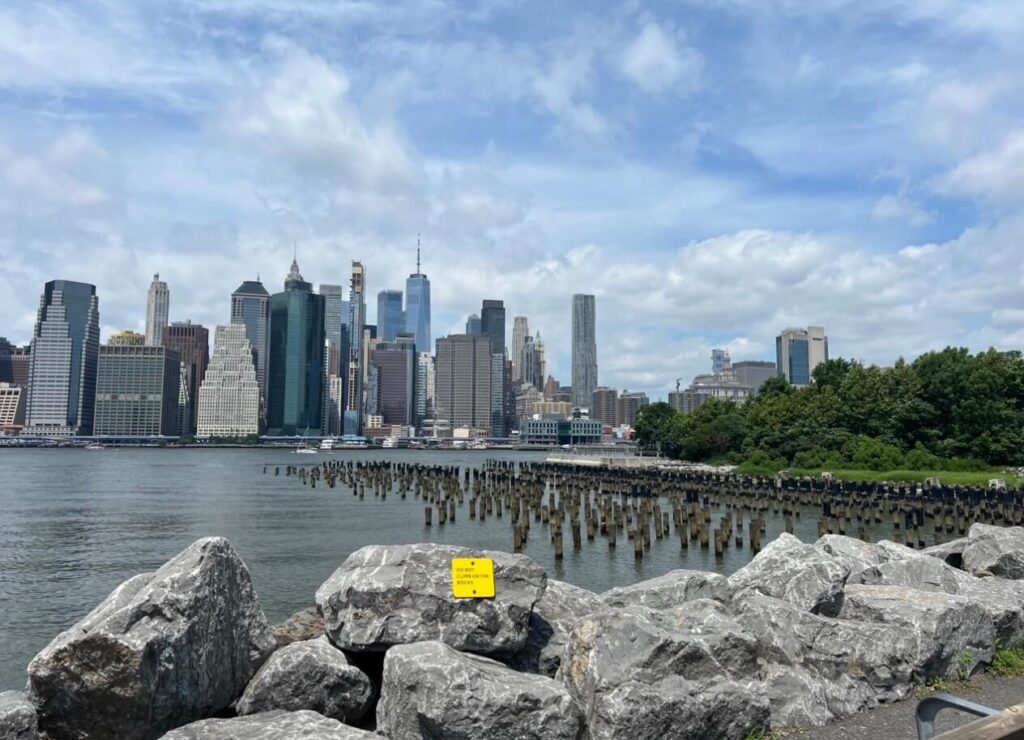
(395, 364)
(389, 315)
(584, 350)
(136, 391)
(462, 390)
(473, 325)
(250, 306)
(192, 343)
(14, 364)
(62, 364)
(296, 373)
(492, 324)
(417, 306)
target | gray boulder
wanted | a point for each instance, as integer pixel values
(164, 649)
(17, 717)
(955, 635)
(312, 674)
(641, 674)
(816, 669)
(672, 589)
(432, 691)
(801, 574)
(858, 555)
(304, 625)
(561, 606)
(384, 596)
(994, 551)
(951, 553)
(304, 725)
(1002, 600)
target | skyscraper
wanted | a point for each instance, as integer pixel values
(192, 343)
(356, 369)
(417, 306)
(136, 391)
(520, 331)
(229, 398)
(798, 352)
(473, 325)
(389, 315)
(62, 362)
(14, 364)
(395, 363)
(424, 387)
(462, 388)
(296, 371)
(492, 323)
(604, 406)
(584, 349)
(336, 348)
(250, 307)
(720, 361)
(158, 306)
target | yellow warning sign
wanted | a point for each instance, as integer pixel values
(473, 578)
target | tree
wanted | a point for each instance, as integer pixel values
(652, 428)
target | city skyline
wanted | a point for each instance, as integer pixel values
(711, 172)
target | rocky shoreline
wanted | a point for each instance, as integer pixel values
(803, 635)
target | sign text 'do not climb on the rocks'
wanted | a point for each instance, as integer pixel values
(473, 578)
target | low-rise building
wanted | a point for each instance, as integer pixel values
(12, 408)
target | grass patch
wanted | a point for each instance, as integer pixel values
(1008, 661)
(949, 477)
(937, 685)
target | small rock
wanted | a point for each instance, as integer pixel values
(302, 725)
(312, 674)
(561, 606)
(383, 596)
(672, 589)
(17, 717)
(430, 690)
(304, 625)
(955, 634)
(801, 574)
(994, 551)
(686, 672)
(163, 649)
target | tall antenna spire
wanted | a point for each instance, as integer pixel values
(417, 254)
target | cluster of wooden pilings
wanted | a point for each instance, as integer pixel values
(702, 510)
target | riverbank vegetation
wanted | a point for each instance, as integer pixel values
(950, 414)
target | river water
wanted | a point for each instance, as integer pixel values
(76, 523)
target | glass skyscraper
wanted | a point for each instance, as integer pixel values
(250, 306)
(296, 370)
(62, 363)
(584, 349)
(417, 307)
(389, 315)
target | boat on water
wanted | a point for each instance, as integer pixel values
(305, 450)
(478, 446)
(327, 444)
(94, 446)
(389, 443)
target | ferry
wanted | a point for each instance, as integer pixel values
(479, 445)
(327, 445)
(389, 443)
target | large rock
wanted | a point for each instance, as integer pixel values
(312, 674)
(164, 649)
(431, 691)
(1002, 600)
(816, 669)
(17, 717)
(955, 635)
(561, 606)
(303, 725)
(858, 555)
(801, 574)
(384, 596)
(672, 589)
(304, 625)
(994, 551)
(686, 672)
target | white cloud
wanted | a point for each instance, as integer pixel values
(659, 59)
(995, 175)
(901, 208)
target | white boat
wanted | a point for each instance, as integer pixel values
(305, 451)
(94, 446)
(327, 444)
(389, 443)
(478, 446)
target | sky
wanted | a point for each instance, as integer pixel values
(712, 170)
